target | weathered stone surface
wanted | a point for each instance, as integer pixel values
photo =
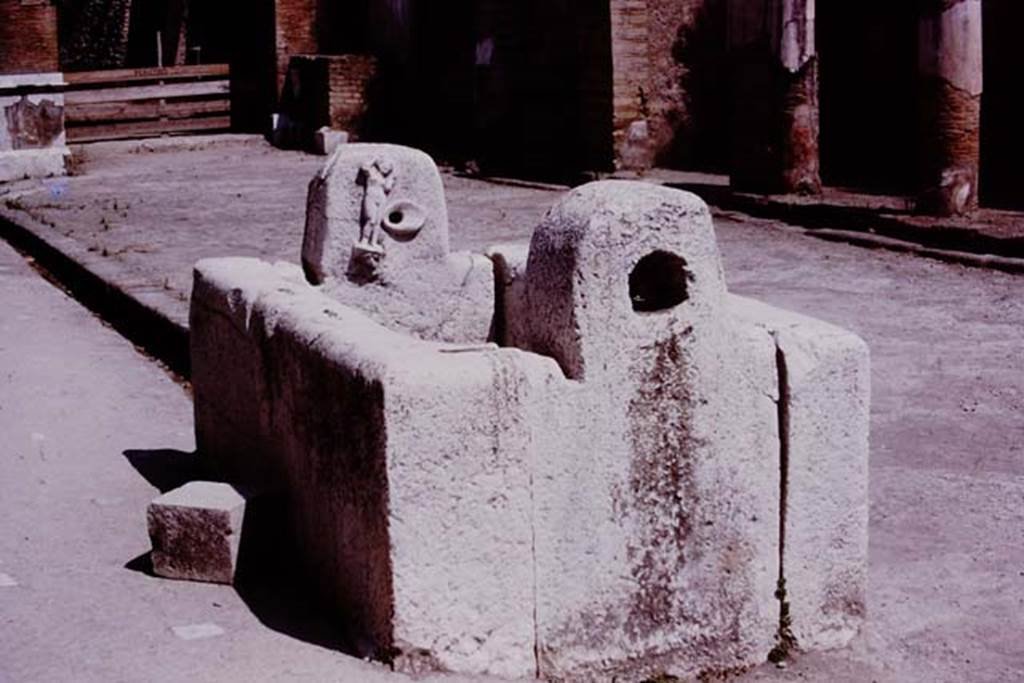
(377, 237)
(949, 43)
(196, 531)
(602, 500)
(377, 179)
(406, 461)
(509, 295)
(656, 460)
(825, 392)
(32, 142)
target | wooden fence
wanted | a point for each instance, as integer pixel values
(139, 103)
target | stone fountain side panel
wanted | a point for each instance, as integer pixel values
(825, 376)
(231, 395)
(462, 441)
(406, 468)
(283, 402)
(657, 499)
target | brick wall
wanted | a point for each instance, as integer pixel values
(670, 69)
(28, 36)
(328, 90)
(295, 32)
(631, 82)
(350, 77)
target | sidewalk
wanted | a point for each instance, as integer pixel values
(946, 587)
(126, 228)
(991, 238)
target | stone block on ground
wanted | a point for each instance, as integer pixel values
(661, 459)
(326, 140)
(196, 531)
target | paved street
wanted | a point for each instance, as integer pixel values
(947, 465)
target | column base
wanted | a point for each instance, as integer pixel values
(32, 138)
(20, 164)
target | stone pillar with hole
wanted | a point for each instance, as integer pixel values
(775, 90)
(950, 65)
(32, 140)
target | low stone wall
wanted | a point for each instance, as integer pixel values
(28, 37)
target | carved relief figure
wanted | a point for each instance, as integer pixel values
(378, 179)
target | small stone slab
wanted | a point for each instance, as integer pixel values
(198, 631)
(326, 140)
(196, 531)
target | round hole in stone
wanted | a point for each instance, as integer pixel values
(395, 217)
(658, 282)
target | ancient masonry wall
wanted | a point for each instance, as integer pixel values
(349, 78)
(630, 73)
(32, 141)
(20, 19)
(294, 32)
(650, 41)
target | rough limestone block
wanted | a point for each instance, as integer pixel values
(510, 291)
(196, 531)
(450, 299)
(406, 463)
(461, 450)
(825, 376)
(387, 196)
(657, 498)
(326, 140)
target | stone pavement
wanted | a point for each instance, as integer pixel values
(946, 587)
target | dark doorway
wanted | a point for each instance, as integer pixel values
(540, 88)
(868, 76)
(566, 94)
(441, 121)
(1002, 107)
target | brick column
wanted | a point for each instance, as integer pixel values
(294, 33)
(630, 76)
(775, 108)
(950, 63)
(32, 141)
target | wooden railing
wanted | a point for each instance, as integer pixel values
(139, 103)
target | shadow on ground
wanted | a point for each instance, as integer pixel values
(271, 582)
(269, 577)
(165, 468)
